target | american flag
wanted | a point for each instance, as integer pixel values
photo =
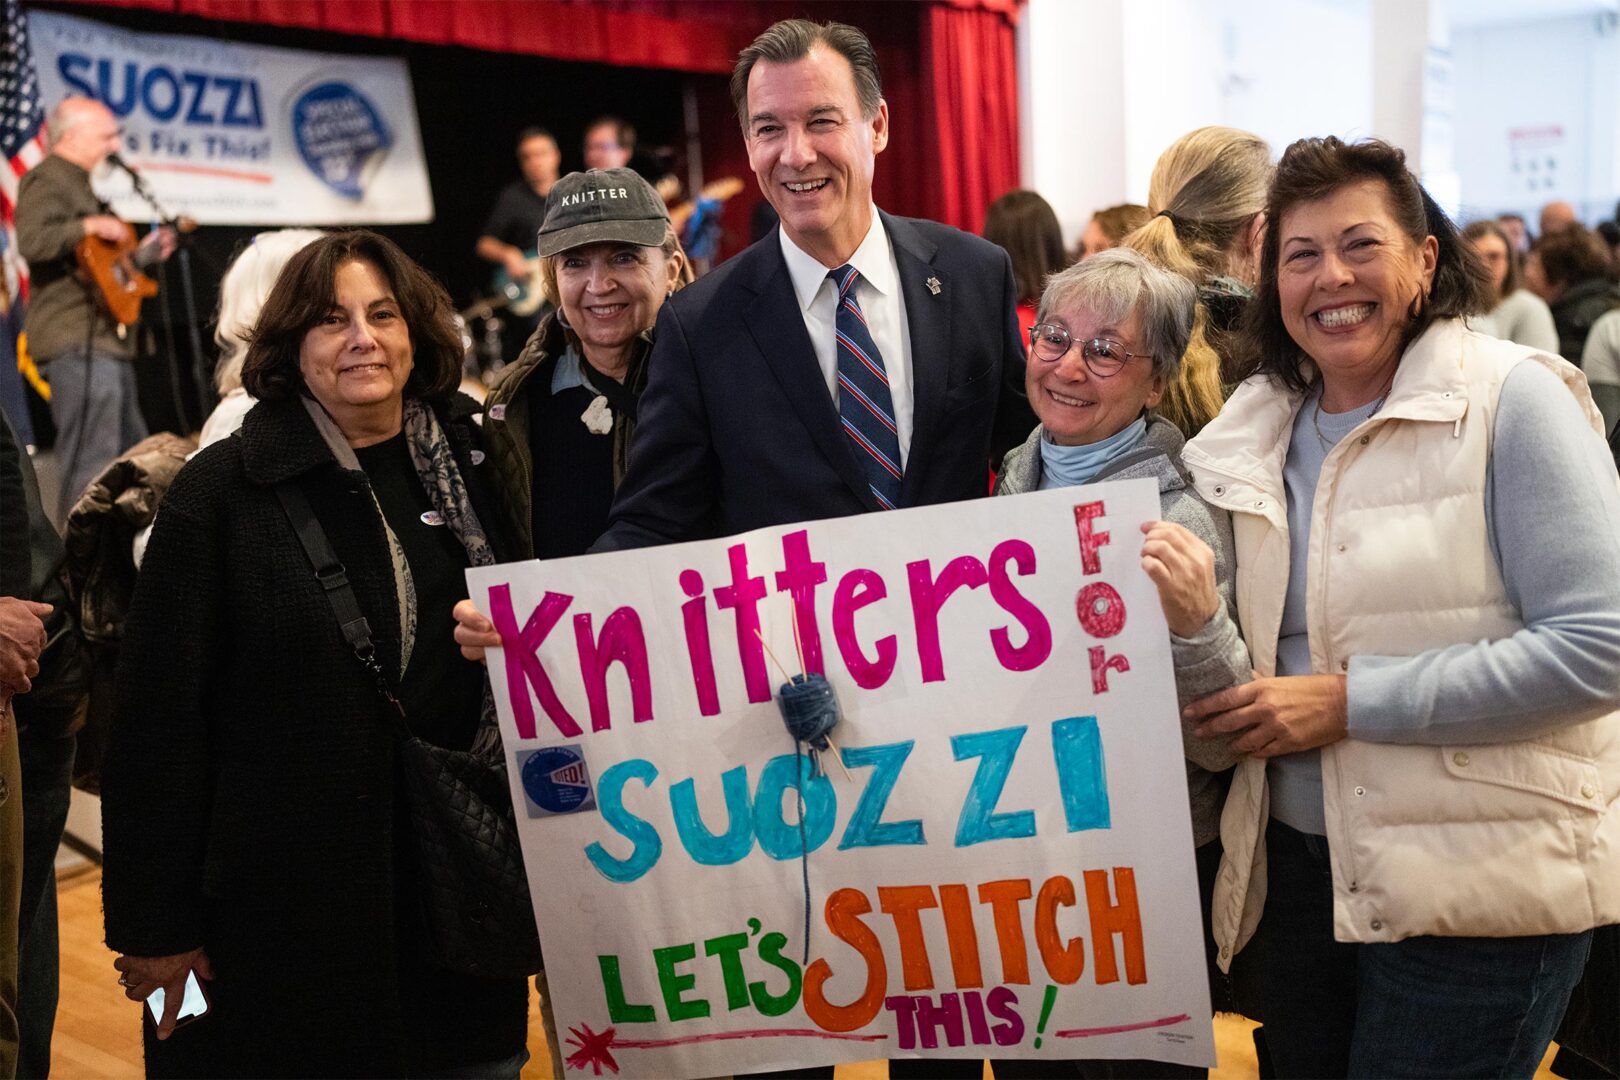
(22, 134)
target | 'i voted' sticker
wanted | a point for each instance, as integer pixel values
(556, 780)
(432, 517)
(477, 457)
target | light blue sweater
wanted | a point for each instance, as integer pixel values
(1552, 508)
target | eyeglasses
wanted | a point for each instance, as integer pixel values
(1102, 356)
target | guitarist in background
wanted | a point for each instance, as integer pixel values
(70, 333)
(508, 237)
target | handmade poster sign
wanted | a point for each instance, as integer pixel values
(1001, 865)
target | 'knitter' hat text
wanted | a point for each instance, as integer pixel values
(602, 206)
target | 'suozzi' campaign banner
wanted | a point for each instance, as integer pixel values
(1001, 867)
(235, 134)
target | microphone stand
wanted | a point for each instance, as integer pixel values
(204, 385)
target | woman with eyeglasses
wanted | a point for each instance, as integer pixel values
(1106, 343)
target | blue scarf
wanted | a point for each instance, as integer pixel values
(1071, 466)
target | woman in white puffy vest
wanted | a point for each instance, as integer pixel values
(1427, 526)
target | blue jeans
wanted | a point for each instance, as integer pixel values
(1423, 1007)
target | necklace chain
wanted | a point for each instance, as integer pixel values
(1316, 412)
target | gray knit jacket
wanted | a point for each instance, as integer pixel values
(1214, 658)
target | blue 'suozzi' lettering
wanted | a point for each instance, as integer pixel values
(705, 847)
(1077, 749)
(979, 821)
(199, 98)
(769, 810)
(648, 844)
(866, 826)
(777, 838)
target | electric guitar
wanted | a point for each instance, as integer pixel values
(111, 267)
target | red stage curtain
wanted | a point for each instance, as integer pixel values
(970, 61)
(636, 33)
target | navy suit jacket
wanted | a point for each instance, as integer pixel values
(736, 429)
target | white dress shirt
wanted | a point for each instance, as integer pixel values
(878, 294)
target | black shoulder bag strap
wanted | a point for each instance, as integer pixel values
(334, 581)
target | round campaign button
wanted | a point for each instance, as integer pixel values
(556, 781)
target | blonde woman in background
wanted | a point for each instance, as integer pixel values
(1207, 196)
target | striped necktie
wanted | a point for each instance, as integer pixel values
(864, 404)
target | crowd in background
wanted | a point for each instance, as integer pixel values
(1555, 288)
(1398, 685)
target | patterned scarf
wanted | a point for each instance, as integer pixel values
(441, 479)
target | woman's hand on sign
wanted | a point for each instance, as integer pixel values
(474, 631)
(140, 975)
(1273, 716)
(1183, 568)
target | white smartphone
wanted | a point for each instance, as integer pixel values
(192, 1006)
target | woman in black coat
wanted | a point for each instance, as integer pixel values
(251, 805)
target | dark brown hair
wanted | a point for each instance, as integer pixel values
(534, 132)
(305, 293)
(1571, 255)
(792, 39)
(1024, 225)
(1313, 169)
(1515, 275)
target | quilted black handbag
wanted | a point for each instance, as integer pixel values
(475, 895)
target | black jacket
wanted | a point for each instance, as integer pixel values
(1575, 312)
(248, 793)
(737, 431)
(31, 568)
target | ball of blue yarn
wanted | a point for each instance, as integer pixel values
(809, 708)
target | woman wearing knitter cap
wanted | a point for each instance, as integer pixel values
(558, 423)
(1425, 829)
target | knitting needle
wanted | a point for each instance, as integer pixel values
(839, 758)
(785, 676)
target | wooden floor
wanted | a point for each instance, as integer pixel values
(98, 1031)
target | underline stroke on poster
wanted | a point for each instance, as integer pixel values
(1086, 1033)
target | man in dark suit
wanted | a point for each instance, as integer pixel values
(849, 361)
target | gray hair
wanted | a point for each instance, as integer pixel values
(68, 114)
(792, 39)
(1116, 282)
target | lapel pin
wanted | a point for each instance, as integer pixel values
(933, 285)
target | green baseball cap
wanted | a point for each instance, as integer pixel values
(602, 206)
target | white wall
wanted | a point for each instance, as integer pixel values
(1538, 105)
(1072, 103)
(1297, 69)
(1106, 85)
